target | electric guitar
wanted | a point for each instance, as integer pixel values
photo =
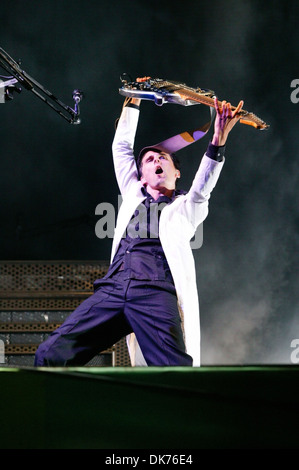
(166, 91)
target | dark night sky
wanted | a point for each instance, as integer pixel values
(53, 174)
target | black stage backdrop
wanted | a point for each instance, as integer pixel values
(53, 174)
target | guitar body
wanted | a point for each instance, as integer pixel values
(165, 91)
(162, 91)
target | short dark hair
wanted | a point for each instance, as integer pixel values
(173, 156)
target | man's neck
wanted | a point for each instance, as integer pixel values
(156, 193)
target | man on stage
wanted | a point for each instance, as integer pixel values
(149, 294)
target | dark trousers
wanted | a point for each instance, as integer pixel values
(118, 307)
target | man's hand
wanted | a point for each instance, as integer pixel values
(225, 121)
(136, 101)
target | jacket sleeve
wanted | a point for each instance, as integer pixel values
(123, 149)
(205, 179)
(197, 199)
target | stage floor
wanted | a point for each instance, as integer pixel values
(252, 407)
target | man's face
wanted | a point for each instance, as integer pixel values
(158, 170)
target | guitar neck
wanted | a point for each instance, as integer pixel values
(247, 117)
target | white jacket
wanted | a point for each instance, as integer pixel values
(178, 223)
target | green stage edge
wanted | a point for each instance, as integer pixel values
(149, 408)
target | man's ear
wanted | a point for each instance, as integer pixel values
(143, 180)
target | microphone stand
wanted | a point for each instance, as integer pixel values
(30, 84)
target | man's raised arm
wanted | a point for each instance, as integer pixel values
(123, 145)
